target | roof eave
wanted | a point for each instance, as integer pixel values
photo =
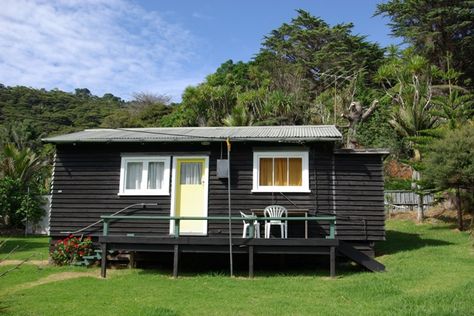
(363, 151)
(273, 140)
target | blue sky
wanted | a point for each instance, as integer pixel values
(122, 46)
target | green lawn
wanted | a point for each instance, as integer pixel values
(430, 272)
(34, 247)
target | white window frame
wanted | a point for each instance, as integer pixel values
(145, 160)
(281, 154)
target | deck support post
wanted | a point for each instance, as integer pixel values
(332, 261)
(250, 261)
(131, 263)
(103, 261)
(175, 261)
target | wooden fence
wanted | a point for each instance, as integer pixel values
(402, 200)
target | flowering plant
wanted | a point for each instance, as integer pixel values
(71, 249)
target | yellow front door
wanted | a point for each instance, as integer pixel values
(190, 197)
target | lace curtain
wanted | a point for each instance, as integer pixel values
(155, 175)
(191, 173)
(134, 176)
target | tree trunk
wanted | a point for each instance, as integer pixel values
(459, 211)
(356, 115)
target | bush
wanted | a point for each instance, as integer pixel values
(70, 250)
(18, 203)
(397, 184)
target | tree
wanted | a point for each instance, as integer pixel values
(407, 82)
(43, 113)
(450, 163)
(145, 110)
(238, 117)
(435, 29)
(22, 164)
(455, 104)
(455, 108)
(321, 51)
(356, 115)
(147, 98)
(21, 173)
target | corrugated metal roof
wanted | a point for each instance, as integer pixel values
(189, 134)
(363, 151)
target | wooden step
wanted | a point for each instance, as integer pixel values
(359, 257)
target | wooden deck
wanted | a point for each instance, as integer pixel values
(250, 246)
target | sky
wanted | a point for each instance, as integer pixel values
(160, 47)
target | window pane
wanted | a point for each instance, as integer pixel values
(280, 177)
(266, 172)
(191, 173)
(296, 172)
(134, 176)
(155, 174)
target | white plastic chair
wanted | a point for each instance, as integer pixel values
(256, 225)
(276, 211)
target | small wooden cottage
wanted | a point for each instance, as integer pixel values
(167, 190)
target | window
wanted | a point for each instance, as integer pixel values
(191, 173)
(144, 175)
(280, 171)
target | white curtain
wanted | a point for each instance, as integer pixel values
(191, 172)
(155, 174)
(134, 176)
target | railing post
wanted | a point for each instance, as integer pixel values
(251, 229)
(332, 229)
(106, 227)
(176, 228)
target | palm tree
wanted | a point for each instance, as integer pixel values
(238, 117)
(407, 83)
(22, 164)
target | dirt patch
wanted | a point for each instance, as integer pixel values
(15, 262)
(398, 170)
(436, 214)
(403, 215)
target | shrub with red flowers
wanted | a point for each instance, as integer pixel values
(71, 249)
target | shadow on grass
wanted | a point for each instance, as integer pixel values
(155, 311)
(398, 241)
(265, 266)
(29, 244)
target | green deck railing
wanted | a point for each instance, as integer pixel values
(250, 219)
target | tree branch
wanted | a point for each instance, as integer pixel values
(370, 110)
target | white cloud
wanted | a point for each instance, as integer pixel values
(106, 46)
(202, 16)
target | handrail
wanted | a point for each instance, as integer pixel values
(108, 218)
(118, 212)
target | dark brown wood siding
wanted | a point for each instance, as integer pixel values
(86, 184)
(359, 197)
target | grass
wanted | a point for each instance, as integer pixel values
(430, 272)
(34, 247)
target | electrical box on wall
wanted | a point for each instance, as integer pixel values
(222, 168)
